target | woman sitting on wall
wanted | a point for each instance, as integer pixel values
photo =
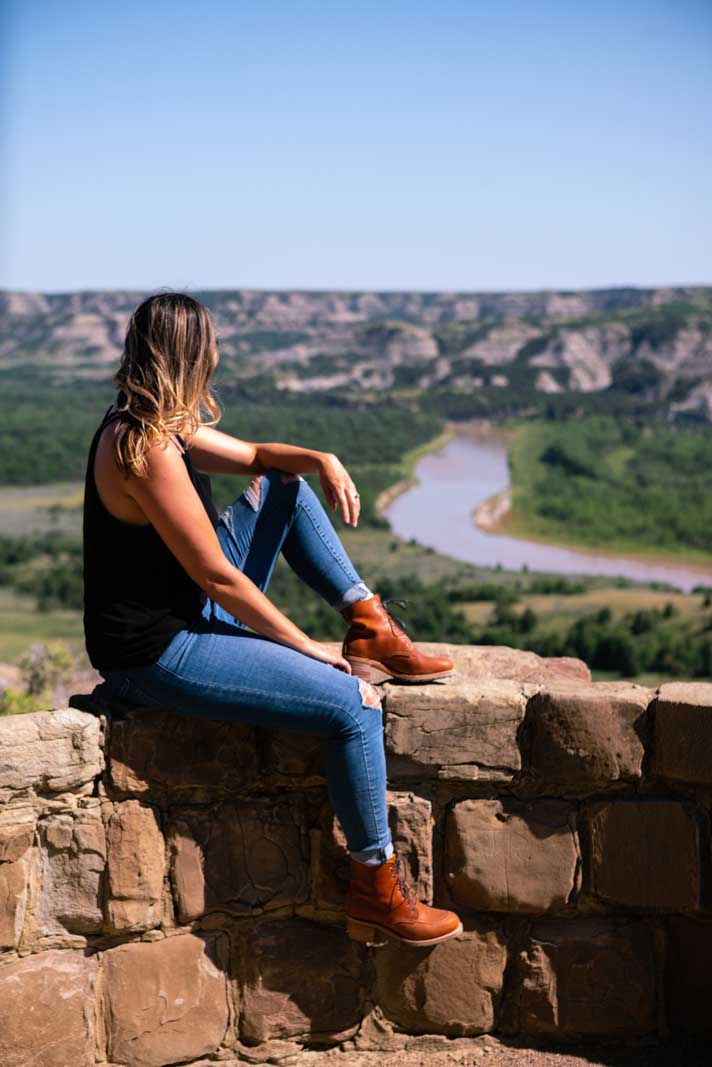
(171, 588)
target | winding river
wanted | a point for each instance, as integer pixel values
(438, 512)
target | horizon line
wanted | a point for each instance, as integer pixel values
(320, 289)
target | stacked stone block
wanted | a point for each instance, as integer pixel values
(172, 890)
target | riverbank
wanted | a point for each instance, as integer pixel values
(508, 523)
(496, 516)
(511, 512)
(407, 466)
(491, 513)
(472, 469)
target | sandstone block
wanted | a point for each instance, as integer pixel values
(73, 861)
(290, 757)
(17, 831)
(586, 978)
(410, 818)
(331, 863)
(466, 732)
(47, 1011)
(297, 979)
(503, 855)
(135, 866)
(176, 757)
(239, 857)
(49, 752)
(586, 737)
(478, 663)
(410, 821)
(166, 1001)
(688, 975)
(683, 732)
(642, 854)
(453, 988)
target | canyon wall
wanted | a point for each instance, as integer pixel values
(171, 891)
(652, 345)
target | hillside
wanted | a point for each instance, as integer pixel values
(471, 352)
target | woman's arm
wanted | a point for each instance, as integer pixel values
(170, 502)
(218, 453)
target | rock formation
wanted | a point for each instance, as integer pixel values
(654, 343)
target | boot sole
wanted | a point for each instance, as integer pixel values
(374, 672)
(366, 933)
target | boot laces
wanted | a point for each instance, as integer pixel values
(396, 619)
(411, 898)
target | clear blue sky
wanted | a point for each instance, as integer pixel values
(507, 144)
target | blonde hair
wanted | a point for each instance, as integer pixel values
(169, 356)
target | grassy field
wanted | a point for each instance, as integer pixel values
(21, 626)
(39, 508)
(558, 612)
(671, 624)
(597, 493)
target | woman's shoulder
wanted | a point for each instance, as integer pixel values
(115, 417)
(111, 485)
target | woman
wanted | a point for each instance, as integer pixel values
(170, 588)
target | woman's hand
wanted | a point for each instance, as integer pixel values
(339, 489)
(318, 650)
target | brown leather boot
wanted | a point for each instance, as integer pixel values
(381, 902)
(377, 647)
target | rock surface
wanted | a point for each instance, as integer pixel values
(174, 757)
(466, 732)
(453, 988)
(185, 904)
(585, 738)
(683, 732)
(512, 857)
(165, 1001)
(630, 845)
(456, 338)
(135, 868)
(592, 979)
(49, 752)
(239, 857)
(297, 979)
(47, 1011)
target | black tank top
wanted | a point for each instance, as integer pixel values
(137, 595)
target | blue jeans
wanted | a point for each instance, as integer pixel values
(216, 668)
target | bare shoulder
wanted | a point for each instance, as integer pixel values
(117, 493)
(166, 499)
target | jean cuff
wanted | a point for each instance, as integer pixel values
(360, 591)
(376, 855)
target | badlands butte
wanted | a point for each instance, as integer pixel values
(651, 344)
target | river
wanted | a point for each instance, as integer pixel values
(453, 482)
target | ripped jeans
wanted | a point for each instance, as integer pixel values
(218, 669)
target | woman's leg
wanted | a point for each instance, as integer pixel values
(277, 512)
(217, 670)
(220, 670)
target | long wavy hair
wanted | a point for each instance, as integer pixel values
(169, 356)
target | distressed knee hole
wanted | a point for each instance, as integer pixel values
(253, 492)
(369, 695)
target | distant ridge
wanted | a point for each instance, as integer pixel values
(654, 342)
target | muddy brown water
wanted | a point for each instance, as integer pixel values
(468, 470)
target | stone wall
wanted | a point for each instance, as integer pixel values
(172, 891)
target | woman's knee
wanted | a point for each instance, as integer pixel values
(370, 697)
(279, 478)
(262, 484)
(364, 712)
